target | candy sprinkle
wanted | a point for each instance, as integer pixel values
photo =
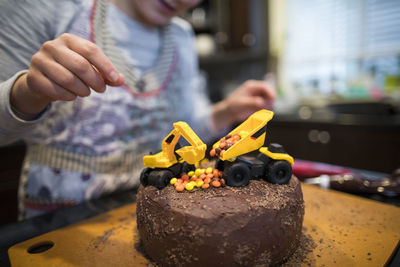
(209, 170)
(200, 178)
(216, 183)
(190, 186)
(199, 183)
(205, 186)
(180, 188)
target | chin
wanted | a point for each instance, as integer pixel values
(155, 13)
(153, 17)
(161, 20)
(158, 19)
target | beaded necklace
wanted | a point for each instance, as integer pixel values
(153, 81)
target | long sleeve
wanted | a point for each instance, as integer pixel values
(12, 127)
(24, 27)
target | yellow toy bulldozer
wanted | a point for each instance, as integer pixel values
(242, 162)
(238, 162)
(173, 159)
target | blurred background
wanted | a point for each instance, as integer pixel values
(335, 63)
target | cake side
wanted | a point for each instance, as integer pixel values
(259, 224)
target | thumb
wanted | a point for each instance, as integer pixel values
(119, 82)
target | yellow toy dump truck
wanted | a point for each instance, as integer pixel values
(241, 161)
(173, 159)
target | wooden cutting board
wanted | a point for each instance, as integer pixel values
(339, 228)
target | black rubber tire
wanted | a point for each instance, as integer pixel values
(278, 172)
(219, 165)
(144, 176)
(159, 178)
(237, 175)
(186, 167)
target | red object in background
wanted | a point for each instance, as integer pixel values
(307, 169)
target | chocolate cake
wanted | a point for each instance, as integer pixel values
(255, 225)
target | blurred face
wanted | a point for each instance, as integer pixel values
(157, 12)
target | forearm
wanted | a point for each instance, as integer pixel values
(25, 100)
(13, 127)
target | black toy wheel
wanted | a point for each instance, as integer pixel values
(159, 178)
(219, 165)
(237, 175)
(186, 167)
(279, 172)
(144, 176)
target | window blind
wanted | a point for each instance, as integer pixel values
(341, 40)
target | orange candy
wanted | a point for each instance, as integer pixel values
(184, 176)
(222, 153)
(212, 152)
(178, 182)
(202, 176)
(205, 186)
(215, 172)
(215, 183)
(180, 187)
(210, 175)
(207, 180)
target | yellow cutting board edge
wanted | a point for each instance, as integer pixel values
(345, 230)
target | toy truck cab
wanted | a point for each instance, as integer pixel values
(247, 159)
(172, 160)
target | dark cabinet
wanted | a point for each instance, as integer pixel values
(232, 43)
(358, 145)
(11, 158)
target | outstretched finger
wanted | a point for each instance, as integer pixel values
(261, 88)
(249, 103)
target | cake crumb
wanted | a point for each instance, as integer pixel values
(299, 257)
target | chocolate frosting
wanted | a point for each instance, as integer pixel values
(255, 225)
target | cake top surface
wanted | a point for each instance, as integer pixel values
(258, 194)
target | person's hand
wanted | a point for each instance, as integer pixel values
(250, 97)
(63, 69)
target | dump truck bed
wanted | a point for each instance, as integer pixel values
(252, 132)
